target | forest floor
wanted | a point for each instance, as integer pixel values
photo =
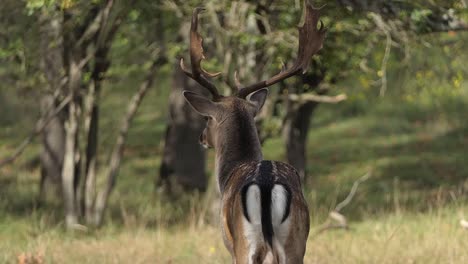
(408, 211)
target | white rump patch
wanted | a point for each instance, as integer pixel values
(279, 198)
(253, 229)
(253, 204)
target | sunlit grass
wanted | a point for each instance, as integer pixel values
(406, 237)
(408, 211)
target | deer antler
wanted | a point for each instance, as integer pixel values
(310, 42)
(196, 56)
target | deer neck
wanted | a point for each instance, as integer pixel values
(237, 142)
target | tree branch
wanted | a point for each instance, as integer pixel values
(95, 26)
(461, 27)
(351, 194)
(40, 125)
(309, 97)
(379, 22)
(335, 219)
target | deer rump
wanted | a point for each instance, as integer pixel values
(266, 208)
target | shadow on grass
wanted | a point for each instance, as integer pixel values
(415, 165)
(18, 200)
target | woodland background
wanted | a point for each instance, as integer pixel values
(99, 153)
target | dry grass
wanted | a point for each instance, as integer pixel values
(403, 238)
(431, 237)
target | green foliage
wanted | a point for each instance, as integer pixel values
(34, 5)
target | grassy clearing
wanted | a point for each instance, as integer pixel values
(431, 237)
(407, 212)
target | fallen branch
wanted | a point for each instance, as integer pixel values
(351, 194)
(317, 98)
(464, 224)
(40, 125)
(335, 219)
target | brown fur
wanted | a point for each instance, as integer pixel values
(231, 131)
(232, 213)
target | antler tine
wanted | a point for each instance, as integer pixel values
(237, 83)
(310, 42)
(196, 56)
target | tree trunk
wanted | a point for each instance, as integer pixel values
(297, 121)
(183, 161)
(117, 152)
(70, 171)
(295, 131)
(53, 135)
(88, 192)
(52, 152)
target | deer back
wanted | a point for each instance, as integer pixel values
(264, 212)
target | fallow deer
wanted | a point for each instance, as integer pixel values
(265, 218)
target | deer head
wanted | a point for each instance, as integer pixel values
(218, 112)
(251, 97)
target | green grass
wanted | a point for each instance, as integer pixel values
(406, 212)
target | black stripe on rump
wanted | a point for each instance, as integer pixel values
(265, 181)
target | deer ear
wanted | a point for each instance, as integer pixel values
(258, 98)
(201, 104)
